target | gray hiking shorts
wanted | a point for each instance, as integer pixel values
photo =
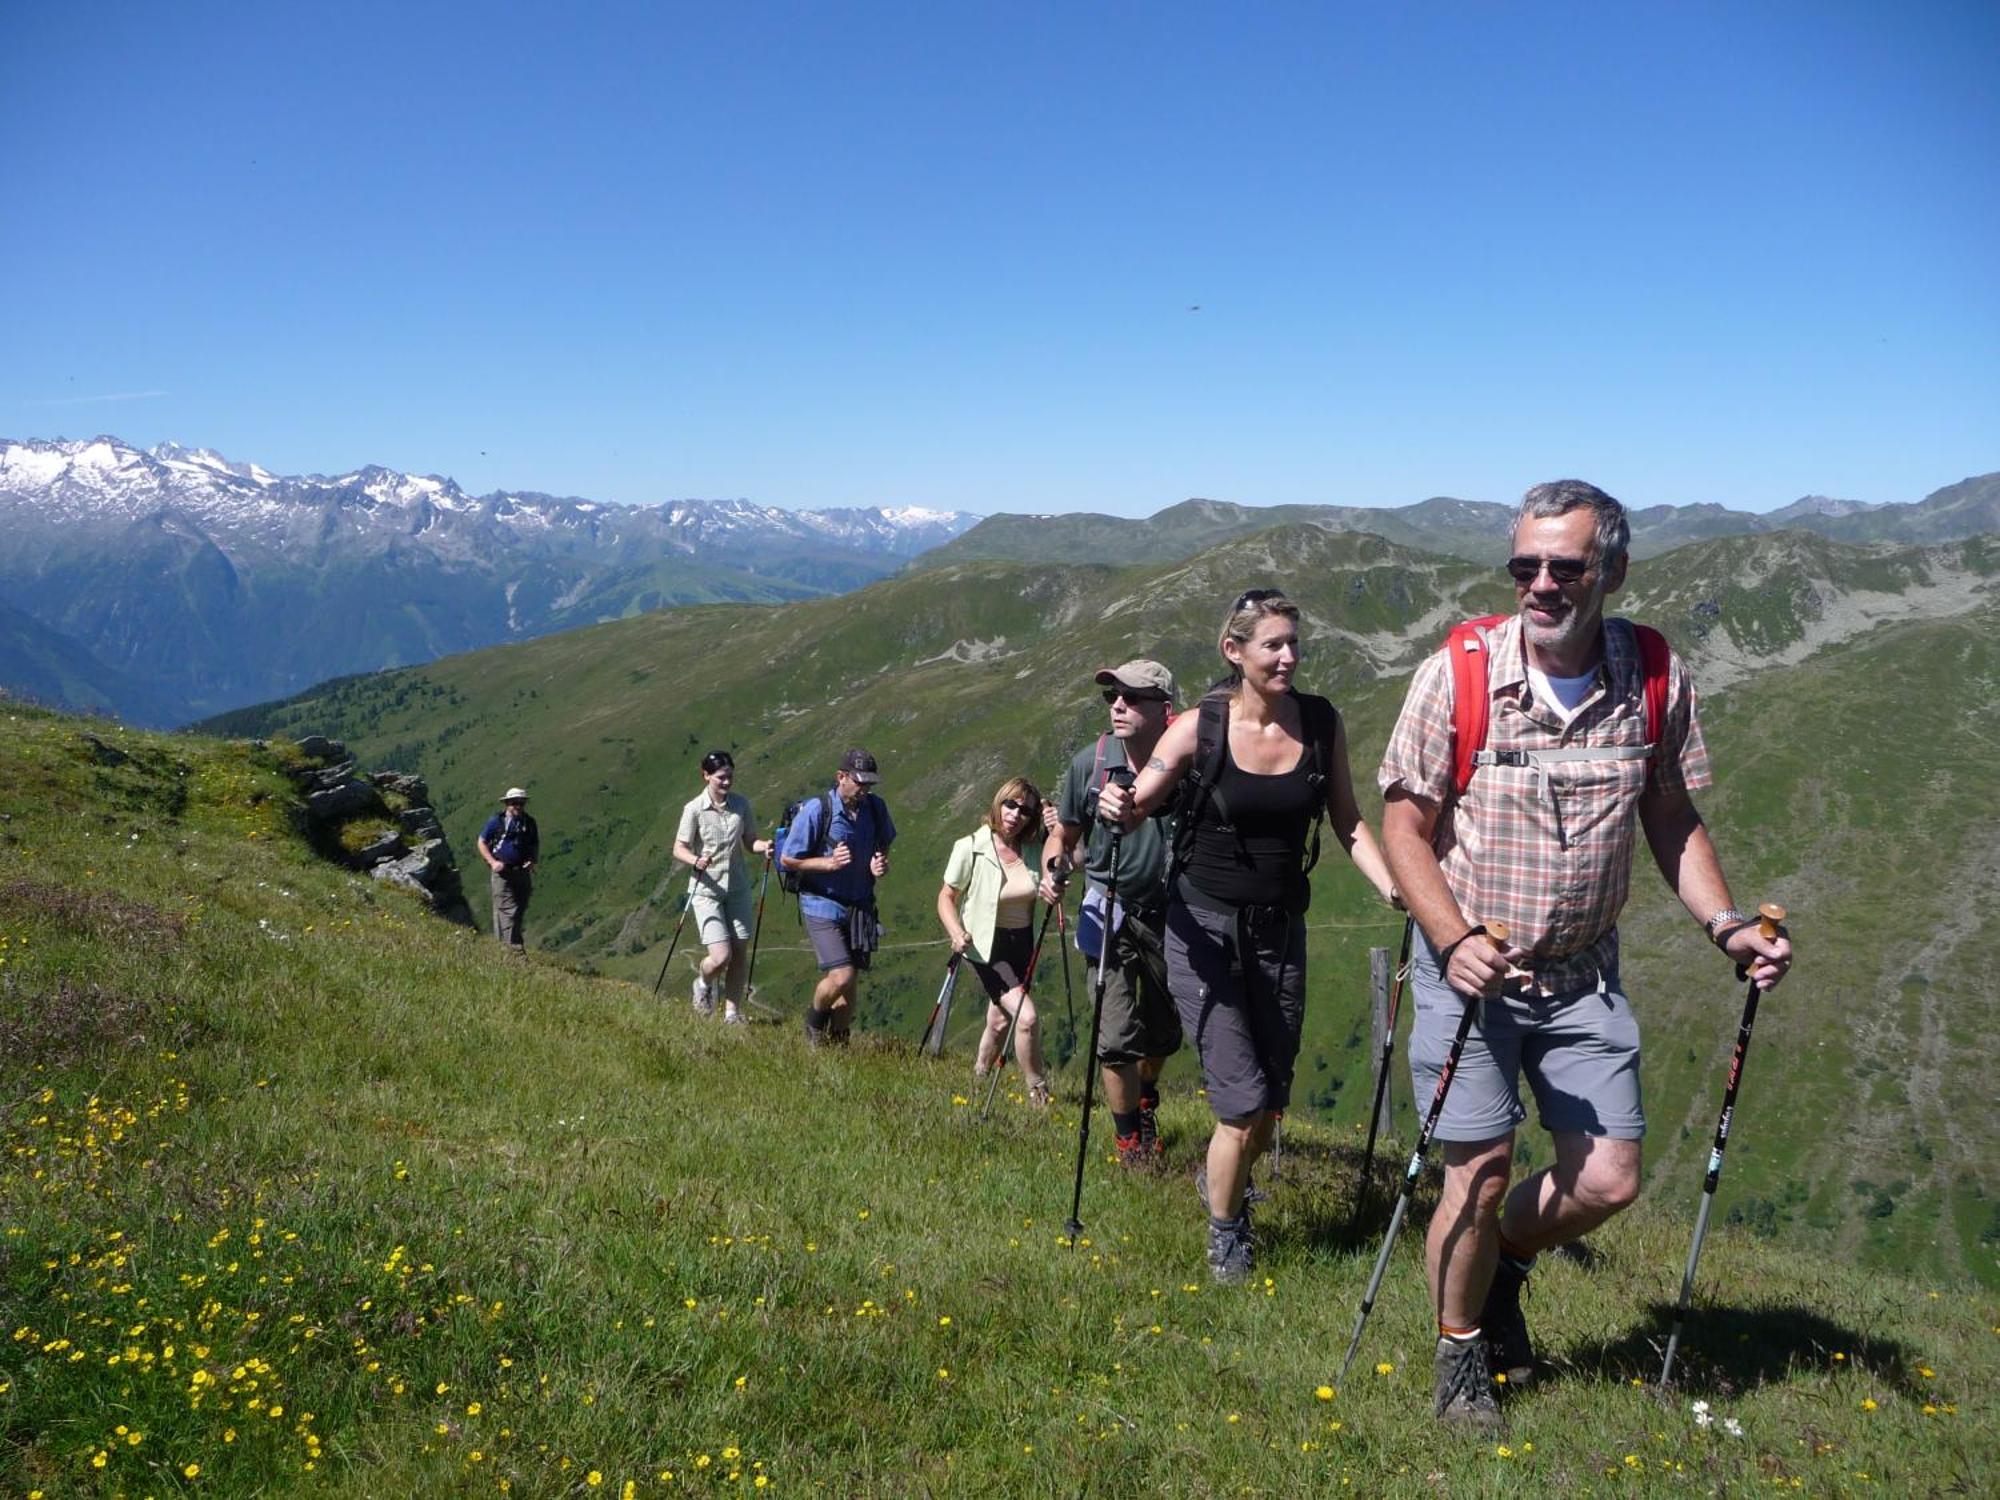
(832, 947)
(1580, 1050)
(1245, 1015)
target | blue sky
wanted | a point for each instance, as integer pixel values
(948, 255)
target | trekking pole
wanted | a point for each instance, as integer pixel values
(1014, 1020)
(1498, 932)
(757, 931)
(670, 948)
(1277, 1146)
(1121, 776)
(1382, 1076)
(1069, 998)
(1768, 918)
(932, 1044)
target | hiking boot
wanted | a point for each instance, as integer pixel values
(735, 1017)
(838, 1038)
(1038, 1093)
(1465, 1398)
(1231, 1253)
(1130, 1154)
(1149, 1132)
(815, 1035)
(1509, 1351)
(704, 997)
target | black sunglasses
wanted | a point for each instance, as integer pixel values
(1112, 695)
(1561, 569)
(1255, 596)
(1015, 804)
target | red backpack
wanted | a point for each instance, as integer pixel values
(1471, 704)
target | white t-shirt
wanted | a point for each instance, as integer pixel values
(1565, 695)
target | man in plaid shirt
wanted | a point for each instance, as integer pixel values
(1541, 840)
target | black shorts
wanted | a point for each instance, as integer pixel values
(1006, 965)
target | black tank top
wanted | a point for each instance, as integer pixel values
(1250, 845)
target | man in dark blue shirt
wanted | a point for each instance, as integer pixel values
(510, 845)
(839, 846)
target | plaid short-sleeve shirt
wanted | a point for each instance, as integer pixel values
(1547, 851)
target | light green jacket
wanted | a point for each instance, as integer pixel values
(974, 871)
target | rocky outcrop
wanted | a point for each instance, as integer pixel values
(382, 823)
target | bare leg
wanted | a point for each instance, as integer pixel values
(1464, 1239)
(738, 973)
(991, 1037)
(835, 991)
(1232, 1151)
(1592, 1179)
(716, 959)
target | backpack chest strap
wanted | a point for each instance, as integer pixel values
(1536, 760)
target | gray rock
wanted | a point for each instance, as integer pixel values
(420, 823)
(412, 789)
(319, 747)
(343, 801)
(389, 846)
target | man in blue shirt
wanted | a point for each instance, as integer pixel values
(839, 847)
(510, 845)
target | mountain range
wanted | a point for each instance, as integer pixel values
(177, 583)
(1472, 529)
(1851, 698)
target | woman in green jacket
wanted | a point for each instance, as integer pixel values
(987, 906)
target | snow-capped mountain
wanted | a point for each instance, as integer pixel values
(224, 583)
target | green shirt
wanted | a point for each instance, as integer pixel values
(1142, 852)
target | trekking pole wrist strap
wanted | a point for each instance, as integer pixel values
(1445, 953)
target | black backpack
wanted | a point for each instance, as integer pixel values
(1319, 721)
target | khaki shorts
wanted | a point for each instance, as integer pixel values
(1139, 1019)
(1580, 1050)
(719, 920)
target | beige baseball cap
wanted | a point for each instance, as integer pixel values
(1142, 677)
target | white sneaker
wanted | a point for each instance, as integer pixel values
(704, 997)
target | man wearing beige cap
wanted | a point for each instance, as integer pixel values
(1141, 1029)
(510, 845)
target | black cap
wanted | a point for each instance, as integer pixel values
(861, 766)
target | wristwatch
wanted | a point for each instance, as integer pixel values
(1729, 916)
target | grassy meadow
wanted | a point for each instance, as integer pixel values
(1852, 708)
(307, 1192)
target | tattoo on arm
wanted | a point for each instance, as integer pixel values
(1156, 764)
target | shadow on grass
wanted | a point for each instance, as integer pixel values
(1726, 1350)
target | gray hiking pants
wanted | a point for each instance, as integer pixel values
(510, 904)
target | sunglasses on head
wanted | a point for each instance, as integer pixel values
(1561, 569)
(1130, 695)
(1015, 804)
(1255, 596)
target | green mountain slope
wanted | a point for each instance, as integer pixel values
(956, 677)
(1472, 529)
(306, 1192)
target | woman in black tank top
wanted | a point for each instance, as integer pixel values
(1236, 941)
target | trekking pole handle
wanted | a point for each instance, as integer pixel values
(1770, 920)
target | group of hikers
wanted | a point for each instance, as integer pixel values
(1528, 754)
